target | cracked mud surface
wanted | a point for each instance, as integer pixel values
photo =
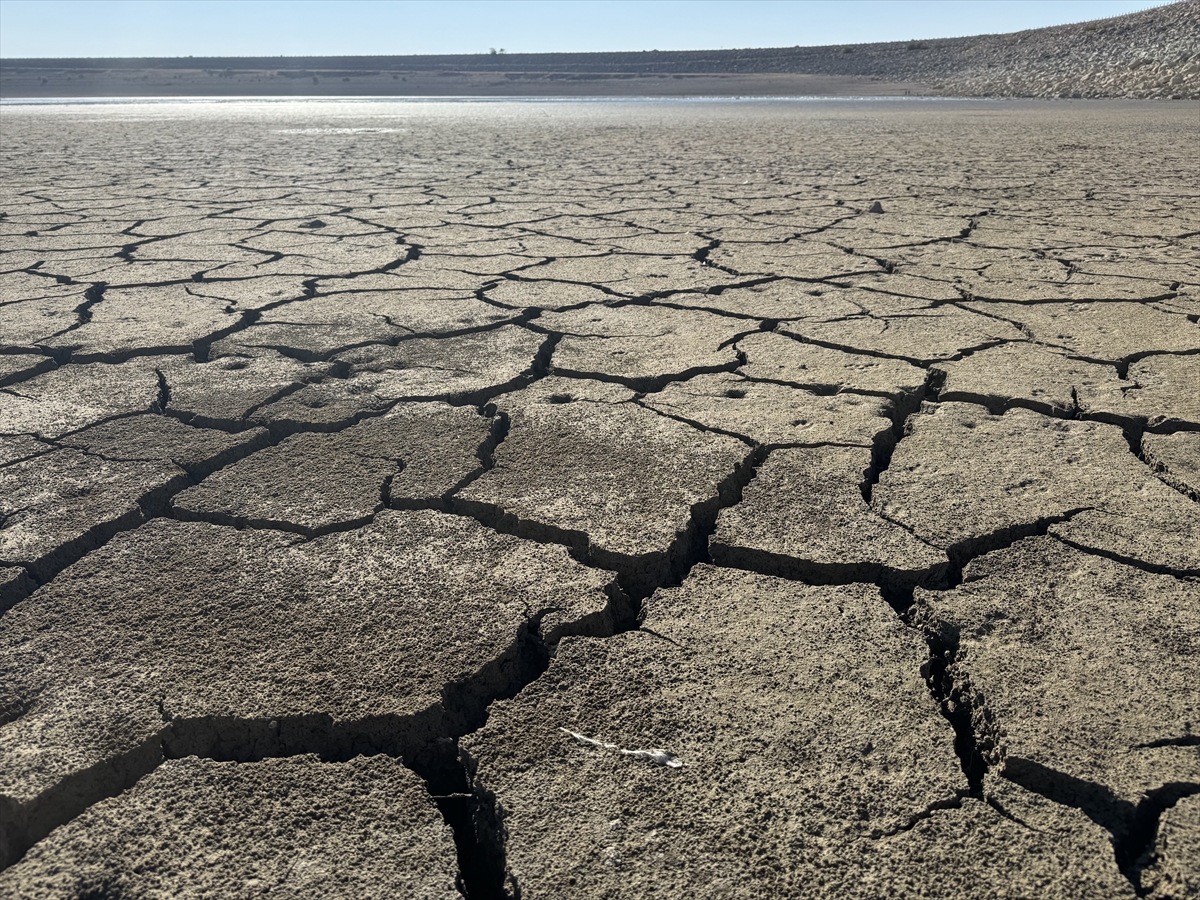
(599, 500)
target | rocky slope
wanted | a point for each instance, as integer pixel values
(1150, 54)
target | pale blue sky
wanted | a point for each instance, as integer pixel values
(333, 27)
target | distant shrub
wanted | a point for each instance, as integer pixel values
(918, 45)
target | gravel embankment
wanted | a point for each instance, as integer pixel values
(1151, 54)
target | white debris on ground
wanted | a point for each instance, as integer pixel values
(654, 755)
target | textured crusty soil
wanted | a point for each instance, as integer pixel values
(601, 500)
(1150, 54)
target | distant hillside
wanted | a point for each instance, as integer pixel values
(1150, 54)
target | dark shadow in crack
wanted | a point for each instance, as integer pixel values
(1134, 827)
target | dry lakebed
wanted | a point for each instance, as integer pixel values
(601, 499)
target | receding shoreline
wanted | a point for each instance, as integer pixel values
(252, 83)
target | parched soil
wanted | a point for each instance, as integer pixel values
(674, 499)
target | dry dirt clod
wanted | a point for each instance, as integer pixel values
(313, 827)
(807, 740)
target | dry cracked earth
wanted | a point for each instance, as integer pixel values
(600, 500)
